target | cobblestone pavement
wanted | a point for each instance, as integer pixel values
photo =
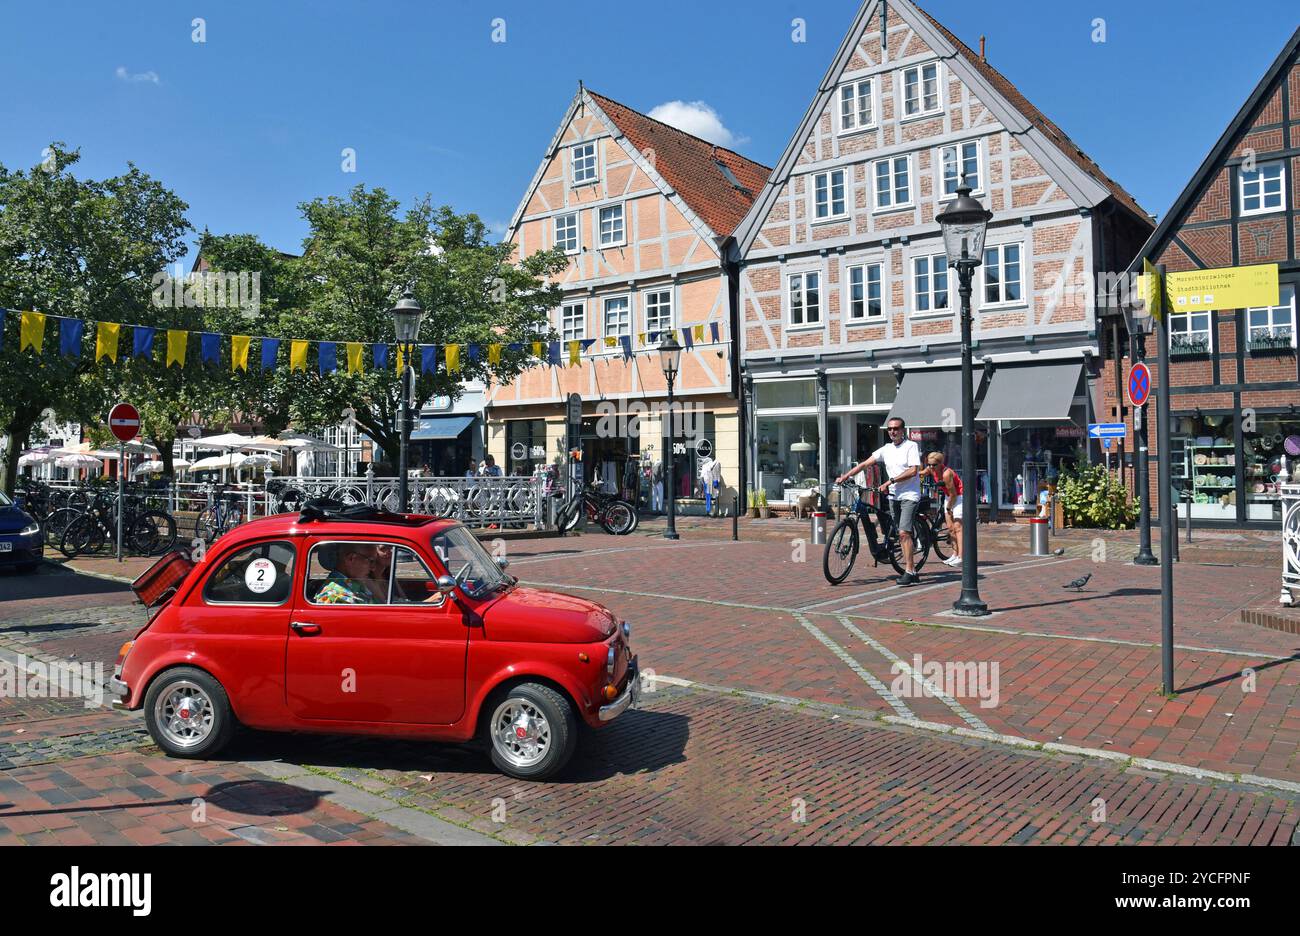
(784, 710)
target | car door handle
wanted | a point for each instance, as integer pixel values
(303, 629)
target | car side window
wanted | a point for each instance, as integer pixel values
(412, 582)
(367, 573)
(261, 574)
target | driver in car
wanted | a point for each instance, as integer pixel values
(348, 582)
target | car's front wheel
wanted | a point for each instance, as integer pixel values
(533, 731)
(188, 713)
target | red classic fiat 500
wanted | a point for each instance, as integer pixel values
(363, 622)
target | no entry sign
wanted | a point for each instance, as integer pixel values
(124, 422)
(1139, 384)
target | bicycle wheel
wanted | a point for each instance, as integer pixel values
(618, 518)
(82, 535)
(841, 551)
(153, 533)
(207, 526)
(921, 541)
(566, 518)
(939, 538)
(56, 524)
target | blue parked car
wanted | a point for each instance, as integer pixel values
(21, 542)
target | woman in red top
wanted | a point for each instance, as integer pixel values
(950, 483)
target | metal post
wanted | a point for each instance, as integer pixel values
(823, 430)
(121, 494)
(671, 531)
(969, 603)
(1168, 509)
(1142, 466)
(403, 425)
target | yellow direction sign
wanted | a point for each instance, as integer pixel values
(1225, 288)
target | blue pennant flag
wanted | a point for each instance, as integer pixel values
(473, 352)
(553, 354)
(70, 331)
(143, 341)
(713, 332)
(379, 353)
(652, 338)
(587, 343)
(626, 342)
(428, 359)
(687, 339)
(210, 348)
(516, 346)
(270, 347)
(328, 357)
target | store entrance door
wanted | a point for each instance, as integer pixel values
(870, 435)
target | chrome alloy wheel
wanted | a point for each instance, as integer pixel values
(184, 714)
(520, 732)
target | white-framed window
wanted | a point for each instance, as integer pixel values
(573, 321)
(864, 284)
(1261, 190)
(1190, 332)
(930, 284)
(828, 195)
(893, 182)
(857, 106)
(1003, 274)
(658, 305)
(921, 90)
(805, 299)
(583, 160)
(1273, 326)
(566, 232)
(958, 161)
(612, 232)
(618, 316)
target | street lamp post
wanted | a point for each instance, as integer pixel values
(964, 223)
(407, 316)
(670, 359)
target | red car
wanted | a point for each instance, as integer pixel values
(363, 622)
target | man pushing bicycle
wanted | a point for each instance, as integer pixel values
(902, 460)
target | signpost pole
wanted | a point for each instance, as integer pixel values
(121, 494)
(1168, 509)
(1144, 555)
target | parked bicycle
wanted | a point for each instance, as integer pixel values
(844, 543)
(224, 512)
(145, 531)
(614, 515)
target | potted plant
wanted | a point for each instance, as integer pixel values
(764, 511)
(753, 504)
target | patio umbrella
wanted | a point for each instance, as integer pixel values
(228, 440)
(297, 440)
(35, 457)
(149, 467)
(258, 461)
(218, 462)
(79, 461)
(265, 442)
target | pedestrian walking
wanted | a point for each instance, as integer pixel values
(949, 484)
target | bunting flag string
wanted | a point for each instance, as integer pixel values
(32, 327)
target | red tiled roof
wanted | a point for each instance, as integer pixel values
(1040, 120)
(690, 166)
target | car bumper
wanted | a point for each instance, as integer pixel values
(22, 549)
(122, 692)
(630, 696)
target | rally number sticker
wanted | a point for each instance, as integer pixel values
(260, 576)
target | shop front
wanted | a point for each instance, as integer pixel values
(1227, 466)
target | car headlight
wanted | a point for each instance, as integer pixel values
(30, 530)
(609, 660)
(627, 631)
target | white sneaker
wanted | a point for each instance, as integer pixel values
(953, 561)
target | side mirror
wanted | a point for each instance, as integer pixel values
(446, 584)
(502, 561)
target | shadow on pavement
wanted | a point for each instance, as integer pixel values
(245, 797)
(1235, 675)
(52, 581)
(1117, 593)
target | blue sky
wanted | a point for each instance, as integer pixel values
(249, 123)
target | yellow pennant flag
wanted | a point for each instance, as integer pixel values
(575, 353)
(297, 355)
(610, 341)
(239, 353)
(699, 332)
(401, 359)
(537, 349)
(354, 358)
(177, 340)
(494, 354)
(453, 358)
(32, 331)
(106, 336)
(641, 338)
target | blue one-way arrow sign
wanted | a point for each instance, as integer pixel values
(1107, 430)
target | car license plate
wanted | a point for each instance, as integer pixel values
(6, 547)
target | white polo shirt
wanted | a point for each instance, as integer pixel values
(897, 459)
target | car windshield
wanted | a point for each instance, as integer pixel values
(4, 500)
(468, 562)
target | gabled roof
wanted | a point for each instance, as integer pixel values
(692, 166)
(1204, 175)
(692, 170)
(1078, 175)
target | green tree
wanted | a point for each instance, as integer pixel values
(80, 248)
(359, 256)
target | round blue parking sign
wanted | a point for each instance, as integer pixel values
(1139, 384)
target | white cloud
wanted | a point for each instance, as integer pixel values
(699, 119)
(124, 75)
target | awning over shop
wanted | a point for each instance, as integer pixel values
(434, 428)
(931, 399)
(1024, 392)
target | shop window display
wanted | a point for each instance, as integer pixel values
(1274, 438)
(1034, 456)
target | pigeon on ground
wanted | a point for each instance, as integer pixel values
(1078, 583)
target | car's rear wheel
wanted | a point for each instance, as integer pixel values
(533, 732)
(188, 713)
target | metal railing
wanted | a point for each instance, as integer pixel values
(1290, 543)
